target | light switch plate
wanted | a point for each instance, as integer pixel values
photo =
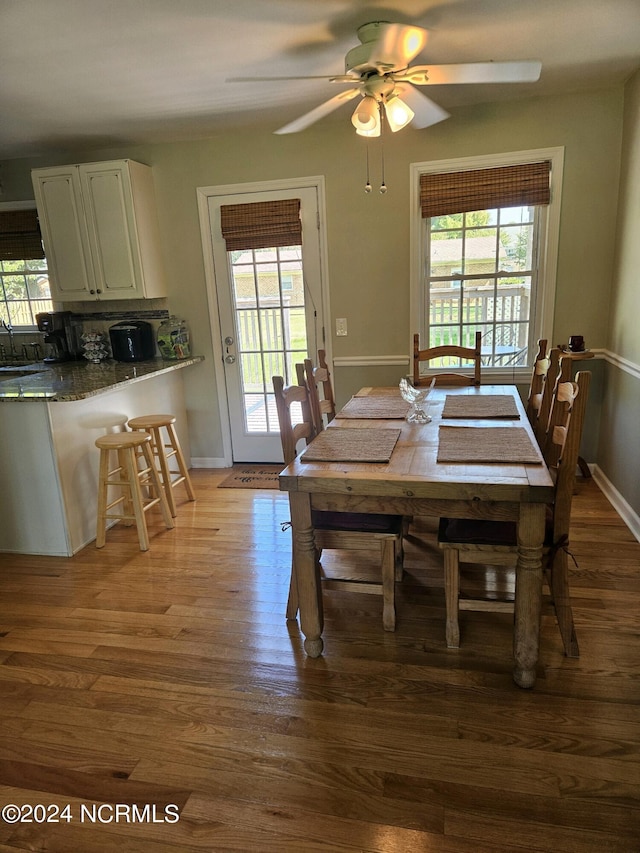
(341, 327)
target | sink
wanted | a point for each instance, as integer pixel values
(12, 373)
(18, 371)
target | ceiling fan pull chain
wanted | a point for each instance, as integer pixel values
(367, 186)
(383, 186)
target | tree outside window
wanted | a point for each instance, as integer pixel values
(24, 291)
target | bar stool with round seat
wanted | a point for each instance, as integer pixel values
(129, 447)
(152, 425)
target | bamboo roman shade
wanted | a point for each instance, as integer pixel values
(482, 189)
(20, 237)
(262, 224)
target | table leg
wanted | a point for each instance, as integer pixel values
(528, 604)
(307, 573)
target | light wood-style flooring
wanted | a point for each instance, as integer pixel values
(171, 678)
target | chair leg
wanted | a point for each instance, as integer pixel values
(182, 465)
(131, 474)
(101, 526)
(292, 601)
(559, 585)
(158, 451)
(158, 487)
(388, 549)
(127, 502)
(452, 594)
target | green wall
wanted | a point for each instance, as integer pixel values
(618, 452)
(368, 235)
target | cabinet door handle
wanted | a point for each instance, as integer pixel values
(98, 290)
(92, 292)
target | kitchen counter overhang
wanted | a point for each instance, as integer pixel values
(48, 458)
(75, 380)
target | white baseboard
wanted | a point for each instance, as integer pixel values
(624, 510)
(208, 462)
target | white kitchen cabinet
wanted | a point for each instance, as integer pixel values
(100, 230)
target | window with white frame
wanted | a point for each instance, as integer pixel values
(486, 244)
(24, 276)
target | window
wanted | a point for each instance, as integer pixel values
(24, 277)
(485, 240)
(481, 274)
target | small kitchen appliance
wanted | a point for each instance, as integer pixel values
(132, 340)
(60, 336)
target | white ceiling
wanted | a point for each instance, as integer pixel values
(87, 73)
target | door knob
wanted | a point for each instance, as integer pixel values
(230, 359)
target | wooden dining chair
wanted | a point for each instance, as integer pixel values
(322, 401)
(558, 370)
(536, 386)
(493, 543)
(340, 530)
(447, 352)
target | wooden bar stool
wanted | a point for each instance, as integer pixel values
(152, 425)
(129, 447)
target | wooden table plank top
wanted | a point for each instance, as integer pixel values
(413, 465)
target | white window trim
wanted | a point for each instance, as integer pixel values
(546, 297)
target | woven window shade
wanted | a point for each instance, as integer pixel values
(20, 238)
(482, 189)
(262, 224)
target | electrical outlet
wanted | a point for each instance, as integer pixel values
(341, 327)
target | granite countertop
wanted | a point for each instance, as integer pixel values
(76, 380)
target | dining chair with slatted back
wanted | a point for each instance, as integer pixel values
(291, 432)
(559, 370)
(462, 354)
(538, 376)
(340, 530)
(322, 402)
(494, 543)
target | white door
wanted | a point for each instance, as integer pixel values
(271, 317)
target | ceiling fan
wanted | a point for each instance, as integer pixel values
(379, 72)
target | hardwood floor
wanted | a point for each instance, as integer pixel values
(171, 678)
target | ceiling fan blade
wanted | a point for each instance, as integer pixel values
(396, 46)
(427, 112)
(319, 112)
(527, 71)
(338, 78)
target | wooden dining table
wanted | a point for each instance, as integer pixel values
(415, 480)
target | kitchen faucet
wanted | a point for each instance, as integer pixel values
(9, 328)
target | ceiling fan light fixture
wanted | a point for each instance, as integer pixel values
(366, 117)
(398, 113)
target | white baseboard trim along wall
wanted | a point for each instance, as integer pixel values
(209, 462)
(624, 510)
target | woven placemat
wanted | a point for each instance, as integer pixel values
(352, 445)
(486, 444)
(375, 407)
(481, 406)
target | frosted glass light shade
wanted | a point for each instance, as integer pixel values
(366, 117)
(398, 113)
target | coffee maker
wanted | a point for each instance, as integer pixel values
(59, 336)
